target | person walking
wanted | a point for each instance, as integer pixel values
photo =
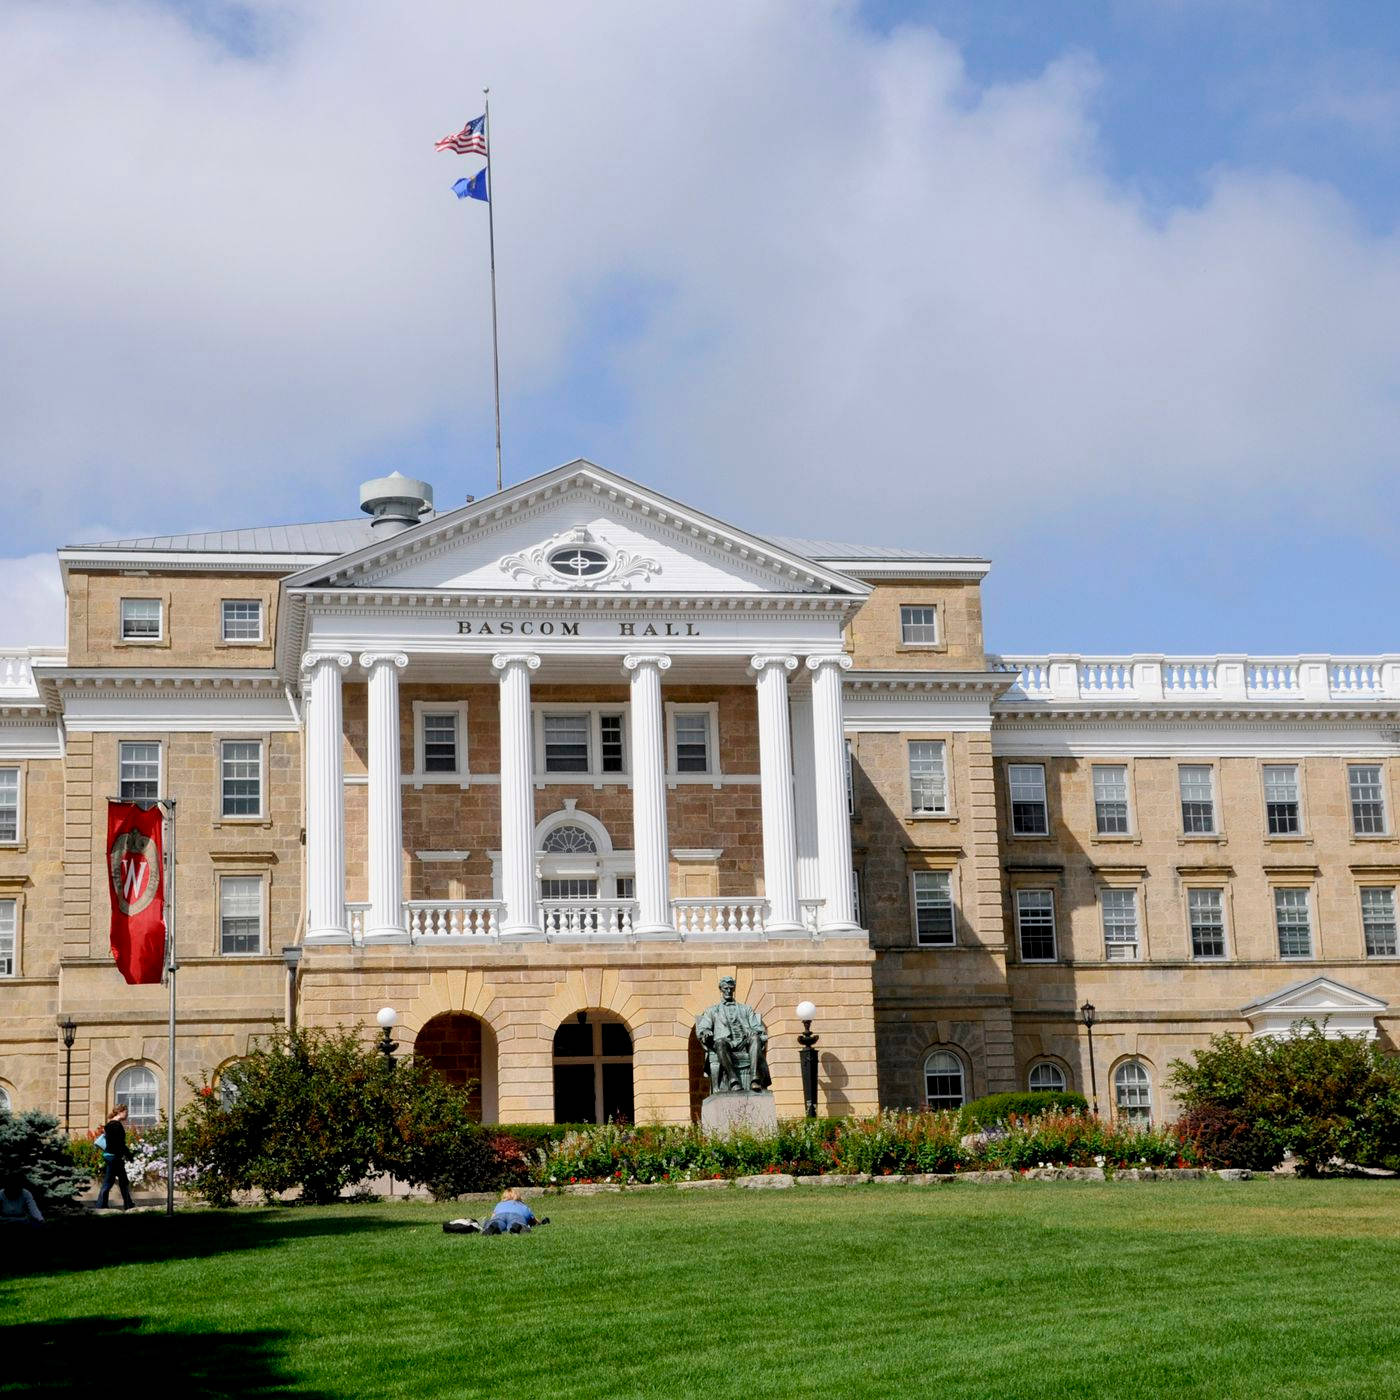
(114, 1158)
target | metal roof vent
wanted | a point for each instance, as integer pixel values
(395, 502)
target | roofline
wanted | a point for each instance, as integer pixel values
(187, 561)
(968, 569)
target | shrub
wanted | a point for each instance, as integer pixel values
(997, 1108)
(32, 1147)
(427, 1136)
(1224, 1137)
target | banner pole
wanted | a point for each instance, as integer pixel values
(491, 236)
(170, 969)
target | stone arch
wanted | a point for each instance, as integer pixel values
(139, 1084)
(944, 1066)
(569, 815)
(1126, 1072)
(592, 1059)
(1057, 1062)
(462, 1047)
(8, 1102)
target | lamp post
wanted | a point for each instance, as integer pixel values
(807, 1013)
(291, 955)
(388, 1018)
(1087, 1017)
(69, 1027)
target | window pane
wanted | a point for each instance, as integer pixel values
(240, 914)
(610, 728)
(1367, 800)
(1378, 922)
(568, 840)
(9, 921)
(242, 620)
(1133, 1093)
(1294, 923)
(1197, 800)
(1281, 799)
(1028, 812)
(440, 743)
(1047, 1078)
(1111, 799)
(1035, 921)
(9, 804)
(933, 907)
(566, 743)
(1120, 926)
(242, 778)
(928, 781)
(136, 1088)
(692, 741)
(943, 1080)
(918, 626)
(138, 767)
(140, 619)
(1206, 913)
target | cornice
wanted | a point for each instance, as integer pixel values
(405, 602)
(1077, 715)
(913, 685)
(188, 561)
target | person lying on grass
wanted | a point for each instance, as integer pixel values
(511, 1217)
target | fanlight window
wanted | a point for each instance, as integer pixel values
(577, 561)
(569, 840)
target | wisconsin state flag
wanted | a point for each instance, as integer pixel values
(136, 882)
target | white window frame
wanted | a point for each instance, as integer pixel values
(1132, 1112)
(905, 623)
(220, 880)
(122, 621)
(1181, 800)
(160, 768)
(1020, 931)
(225, 604)
(1379, 768)
(1264, 769)
(712, 760)
(1308, 908)
(18, 838)
(1224, 953)
(1136, 955)
(1059, 1069)
(261, 813)
(11, 913)
(1127, 801)
(594, 773)
(121, 1095)
(1011, 802)
(950, 876)
(1394, 920)
(942, 746)
(459, 776)
(943, 1052)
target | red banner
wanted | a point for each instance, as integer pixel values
(136, 882)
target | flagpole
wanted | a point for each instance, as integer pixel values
(170, 970)
(491, 235)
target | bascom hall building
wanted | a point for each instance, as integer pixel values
(537, 771)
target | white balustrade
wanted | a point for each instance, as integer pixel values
(1271, 677)
(588, 918)
(1104, 677)
(454, 918)
(1188, 678)
(720, 916)
(812, 913)
(1356, 678)
(356, 916)
(17, 674)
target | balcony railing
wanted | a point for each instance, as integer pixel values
(735, 918)
(588, 918)
(1222, 679)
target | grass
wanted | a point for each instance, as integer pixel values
(1198, 1289)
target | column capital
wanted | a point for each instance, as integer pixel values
(759, 664)
(633, 662)
(503, 660)
(370, 659)
(815, 663)
(312, 659)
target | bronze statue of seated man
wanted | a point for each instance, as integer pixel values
(735, 1041)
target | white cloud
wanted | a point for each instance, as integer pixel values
(33, 592)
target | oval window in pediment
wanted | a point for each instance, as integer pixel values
(578, 561)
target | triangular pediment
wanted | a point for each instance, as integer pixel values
(1319, 996)
(578, 529)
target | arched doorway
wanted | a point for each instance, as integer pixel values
(593, 1069)
(462, 1049)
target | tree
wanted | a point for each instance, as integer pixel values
(31, 1147)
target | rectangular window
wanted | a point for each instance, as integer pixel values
(610, 743)
(692, 740)
(1111, 799)
(1281, 799)
(933, 907)
(918, 627)
(241, 778)
(627, 887)
(9, 804)
(138, 771)
(1205, 909)
(1029, 816)
(857, 898)
(566, 743)
(9, 932)
(928, 776)
(242, 620)
(240, 914)
(1378, 923)
(1120, 925)
(1035, 925)
(1197, 799)
(440, 742)
(1367, 799)
(850, 782)
(1294, 923)
(141, 619)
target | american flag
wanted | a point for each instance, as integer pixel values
(471, 140)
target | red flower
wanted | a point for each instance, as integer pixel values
(206, 1092)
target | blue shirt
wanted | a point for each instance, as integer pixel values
(508, 1212)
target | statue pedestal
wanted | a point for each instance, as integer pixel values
(722, 1114)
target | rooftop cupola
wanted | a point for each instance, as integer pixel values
(395, 502)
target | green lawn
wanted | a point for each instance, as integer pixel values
(1197, 1289)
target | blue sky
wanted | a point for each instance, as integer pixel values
(1105, 291)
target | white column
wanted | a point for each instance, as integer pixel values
(649, 841)
(775, 773)
(385, 923)
(517, 794)
(325, 800)
(833, 820)
(804, 786)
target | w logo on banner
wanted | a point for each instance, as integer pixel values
(137, 886)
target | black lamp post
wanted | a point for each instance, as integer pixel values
(1087, 1017)
(388, 1018)
(806, 1013)
(69, 1027)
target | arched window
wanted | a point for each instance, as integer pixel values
(136, 1088)
(592, 1070)
(1047, 1078)
(4, 1100)
(569, 840)
(944, 1084)
(1132, 1093)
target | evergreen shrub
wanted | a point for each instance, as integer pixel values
(997, 1108)
(32, 1148)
